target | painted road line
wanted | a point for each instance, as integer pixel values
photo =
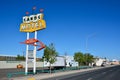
(89, 79)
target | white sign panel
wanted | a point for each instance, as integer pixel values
(30, 56)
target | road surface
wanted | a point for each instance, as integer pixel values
(110, 73)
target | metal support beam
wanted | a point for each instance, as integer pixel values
(34, 67)
(27, 47)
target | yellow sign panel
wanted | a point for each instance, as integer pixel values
(32, 23)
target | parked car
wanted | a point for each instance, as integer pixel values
(19, 66)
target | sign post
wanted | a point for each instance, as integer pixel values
(34, 67)
(27, 47)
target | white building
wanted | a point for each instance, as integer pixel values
(115, 62)
(100, 61)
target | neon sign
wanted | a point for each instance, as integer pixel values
(33, 23)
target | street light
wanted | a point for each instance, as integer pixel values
(87, 38)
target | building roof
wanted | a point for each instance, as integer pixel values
(8, 55)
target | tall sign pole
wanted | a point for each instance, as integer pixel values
(32, 23)
(27, 48)
(35, 48)
(34, 67)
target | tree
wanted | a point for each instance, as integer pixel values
(50, 54)
(79, 57)
(19, 57)
(88, 58)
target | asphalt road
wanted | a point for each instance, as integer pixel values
(110, 73)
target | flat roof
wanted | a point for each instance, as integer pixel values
(8, 55)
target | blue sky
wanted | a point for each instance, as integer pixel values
(69, 24)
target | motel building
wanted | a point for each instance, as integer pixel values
(115, 62)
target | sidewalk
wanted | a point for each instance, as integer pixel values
(48, 75)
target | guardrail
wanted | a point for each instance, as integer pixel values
(10, 75)
(14, 61)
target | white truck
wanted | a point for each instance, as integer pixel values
(62, 61)
(59, 63)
